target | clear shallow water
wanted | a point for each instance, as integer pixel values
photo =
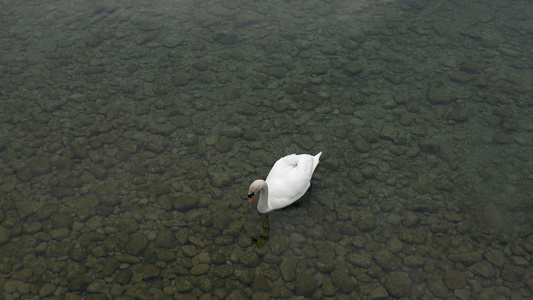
(131, 131)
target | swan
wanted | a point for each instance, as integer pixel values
(287, 181)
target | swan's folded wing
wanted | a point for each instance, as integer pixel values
(289, 179)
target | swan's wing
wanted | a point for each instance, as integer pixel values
(289, 179)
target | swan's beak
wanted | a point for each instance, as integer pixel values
(251, 198)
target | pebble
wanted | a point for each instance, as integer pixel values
(305, 285)
(398, 284)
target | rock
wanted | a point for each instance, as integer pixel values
(204, 284)
(165, 255)
(5, 234)
(123, 276)
(366, 222)
(150, 271)
(466, 258)
(152, 142)
(454, 279)
(342, 280)
(261, 283)
(41, 166)
(199, 269)
(361, 145)
(398, 284)
(185, 203)
(46, 290)
(226, 37)
(513, 273)
(325, 264)
(305, 285)
(288, 267)
(412, 235)
(79, 282)
(127, 225)
(353, 68)
(224, 145)
(26, 208)
(379, 293)
(250, 259)
(137, 244)
(483, 268)
(429, 146)
(387, 260)
(388, 133)
(279, 244)
(436, 286)
(223, 271)
(246, 275)
(471, 67)
(246, 18)
(439, 96)
(61, 221)
(165, 239)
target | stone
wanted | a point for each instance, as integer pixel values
(199, 269)
(439, 96)
(436, 286)
(454, 279)
(41, 166)
(5, 234)
(223, 271)
(127, 225)
(342, 280)
(305, 285)
(224, 145)
(466, 258)
(165, 239)
(388, 133)
(26, 207)
(79, 282)
(279, 244)
(245, 275)
(379, 293)
(123, 276)
(47, 289)
(288, 267)
(412, 235)
(62, 221)
(361, 145)
(165, 255)
(429, 146)
(261, 283)
(513, 273)
(398, 284)
(250, 259)
(366, 222)
(387, 260)
(185, 203)
(226, 37)
(483, 268)
(353, 68)
(137, 244)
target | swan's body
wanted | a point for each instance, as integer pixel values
(287, 182)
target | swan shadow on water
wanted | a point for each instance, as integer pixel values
(265, 221)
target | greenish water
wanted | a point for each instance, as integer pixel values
(131, 132)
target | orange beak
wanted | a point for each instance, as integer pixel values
(251, 198)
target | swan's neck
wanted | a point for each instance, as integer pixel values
(262, 205)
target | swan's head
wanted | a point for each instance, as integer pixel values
(255, 188)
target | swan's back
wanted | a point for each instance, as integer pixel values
(290, 178)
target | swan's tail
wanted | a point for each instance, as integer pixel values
(316, 160)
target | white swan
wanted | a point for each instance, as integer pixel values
(287, 181)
